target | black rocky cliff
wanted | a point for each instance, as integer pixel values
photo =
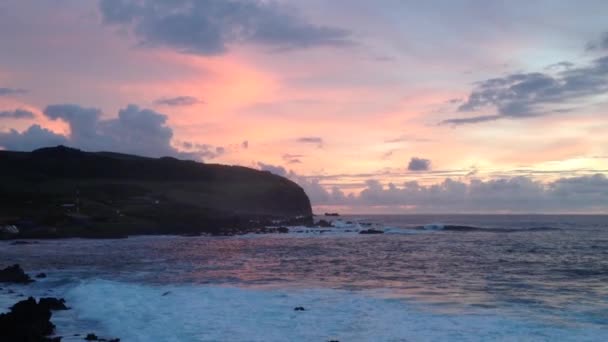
(63, 192)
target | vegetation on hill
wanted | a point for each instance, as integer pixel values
(60, 191)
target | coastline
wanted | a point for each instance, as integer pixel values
(415, 284)
(225, 227)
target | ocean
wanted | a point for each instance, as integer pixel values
(427, 278)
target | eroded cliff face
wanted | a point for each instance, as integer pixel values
(62, 187)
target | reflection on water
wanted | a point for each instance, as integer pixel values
(565, 269)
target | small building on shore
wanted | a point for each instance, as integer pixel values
(9, 229)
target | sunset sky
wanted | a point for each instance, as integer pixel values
(372, 106)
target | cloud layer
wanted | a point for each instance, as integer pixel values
(208, 27)
(16, 114)
(599, 44)
(11, 91)
(135, 130)
(419, 164)
(277, 170)
(506, 195)
(517, 194)
(178, 101)
(311, 140)
(32, 138)
(523, 95)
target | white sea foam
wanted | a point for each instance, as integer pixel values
(434, 226)
(136, 312)
(344, 224)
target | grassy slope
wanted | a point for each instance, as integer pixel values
(129, 194)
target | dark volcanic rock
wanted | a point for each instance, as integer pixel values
(299, 308)
(53, 303)
(283, 230)
(130, 195)
(332, 214)
(93, 337)
(21, 242)
(27, 321)
(41, 275)
(324, 224)
(371, 231)
(14, 274)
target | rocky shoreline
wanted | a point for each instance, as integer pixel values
(29, 320)
(61, 192)
(280, 227)
(23, 235)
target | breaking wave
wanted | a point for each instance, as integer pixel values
(138, 312)
(461, 228)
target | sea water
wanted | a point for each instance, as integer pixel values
(428, 278)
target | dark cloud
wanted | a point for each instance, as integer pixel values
(525, 95)
(32, 138)
(388, 154)
(406, 138)
(208, 27)
(178, 101)
(472, 173)
(292, 158)
(474, 119)
(311, 140)
(16, 114)
(277, 170)
(311, 185)
(196, 151)
(518, 194)
(83, 123)
(419, 164)
(510, 194)
(599, 44)
(11, 91)
(135, 130)
(317, 192)
(560, 65)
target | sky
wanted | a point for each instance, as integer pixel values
(384, 106)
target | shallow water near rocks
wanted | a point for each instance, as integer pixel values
(510, 278)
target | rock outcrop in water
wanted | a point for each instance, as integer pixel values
(93, 337)
(65, 192)
(30, 321)
(14, 274)
(371, 231)
(53, 303)
(324, 224)
(27, 321)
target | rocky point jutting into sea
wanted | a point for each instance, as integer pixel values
(64, 192)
